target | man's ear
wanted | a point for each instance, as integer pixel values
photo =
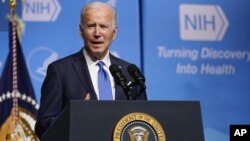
(115, 32)
(80, 30)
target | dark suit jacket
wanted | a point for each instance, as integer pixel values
(69, 79)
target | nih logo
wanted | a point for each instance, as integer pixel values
(41, 10)
(202, 22)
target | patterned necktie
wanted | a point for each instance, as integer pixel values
(105, 92)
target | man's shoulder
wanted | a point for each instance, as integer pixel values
(67, 60)
(119, 61)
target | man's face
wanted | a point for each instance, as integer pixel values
(98, 30)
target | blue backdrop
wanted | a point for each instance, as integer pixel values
(188, 50)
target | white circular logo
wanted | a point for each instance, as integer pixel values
(38, 61)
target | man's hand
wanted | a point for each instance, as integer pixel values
(87, 97)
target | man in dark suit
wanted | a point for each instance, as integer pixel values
(76, 76)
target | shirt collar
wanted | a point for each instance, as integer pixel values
(91, 62)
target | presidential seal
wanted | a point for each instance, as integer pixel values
(23, 130)
(138, 127)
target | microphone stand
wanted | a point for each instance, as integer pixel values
(128, 92)
(130, 86)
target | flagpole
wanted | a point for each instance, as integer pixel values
(14, 66)
(12, 7)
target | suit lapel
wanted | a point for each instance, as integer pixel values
(81, 69)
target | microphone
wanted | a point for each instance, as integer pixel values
(134, 71)
(120, 79)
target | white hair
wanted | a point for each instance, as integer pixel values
(98, 4)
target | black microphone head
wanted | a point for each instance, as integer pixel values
(114, 68)
(119, 78)
(132, 68)
(117, 74)
(135, 72)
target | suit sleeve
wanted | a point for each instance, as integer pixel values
(51, 102)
